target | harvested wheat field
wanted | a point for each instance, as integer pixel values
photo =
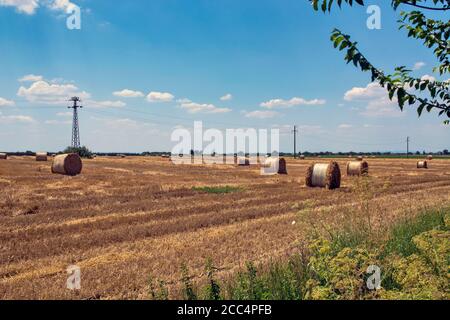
(123, 221)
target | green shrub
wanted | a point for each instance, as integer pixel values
(188, 287)
(83, 152)
(414, 265)
(338, 276)
(212, 290)
(400, 241)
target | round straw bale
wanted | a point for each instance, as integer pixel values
(282, 169)
(357, 168)
(41, 156)
(430, 157)
(324, 175)
(302, 157)
(67, 164)
(360, 158)
(3, 156)
(422, 165)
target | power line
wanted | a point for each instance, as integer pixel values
(295, 141)
(407, 147)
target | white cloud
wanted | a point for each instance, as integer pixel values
(62, 5)
(382, 107)
(280, 103)
(30, 6)
(127, 93)
(345, 126)
(372, 90)
(64, 114)
(428, 77)
(6, 103)
(261, 114)
(371, 126)
(419, 65)
(23, 6)
(31, 78)
(58, 122)
(193, 107)
(377, 101)
(121, 123)
(16, 119)
(43, 92)
(227, 97)
(46, 93)
(155, 96)
(104, 104)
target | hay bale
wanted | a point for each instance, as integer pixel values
(3, 156)
(278, 164)
(67, 164)
(282, 169)
(241, 161)
(357, 168)
(324, 175)
(302, 157)
(41, 156)
(422, 164)
(360, 158)
(430, 157)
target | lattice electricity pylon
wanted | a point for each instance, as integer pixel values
(75, 127)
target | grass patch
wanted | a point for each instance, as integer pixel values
(217, 190)
(402, 233)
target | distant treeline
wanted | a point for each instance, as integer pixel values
(282, 154)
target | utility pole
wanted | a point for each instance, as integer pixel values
(75, 127)
(407, 147)
(295, 131)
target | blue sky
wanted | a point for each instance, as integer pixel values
(144, 68)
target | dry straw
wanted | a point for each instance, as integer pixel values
(302, 157)
(422, 165)
(324, 175)
(360, 158)
(41, 156)
(3, 156)
(357, 168)
(67, 164)
(430, 157)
